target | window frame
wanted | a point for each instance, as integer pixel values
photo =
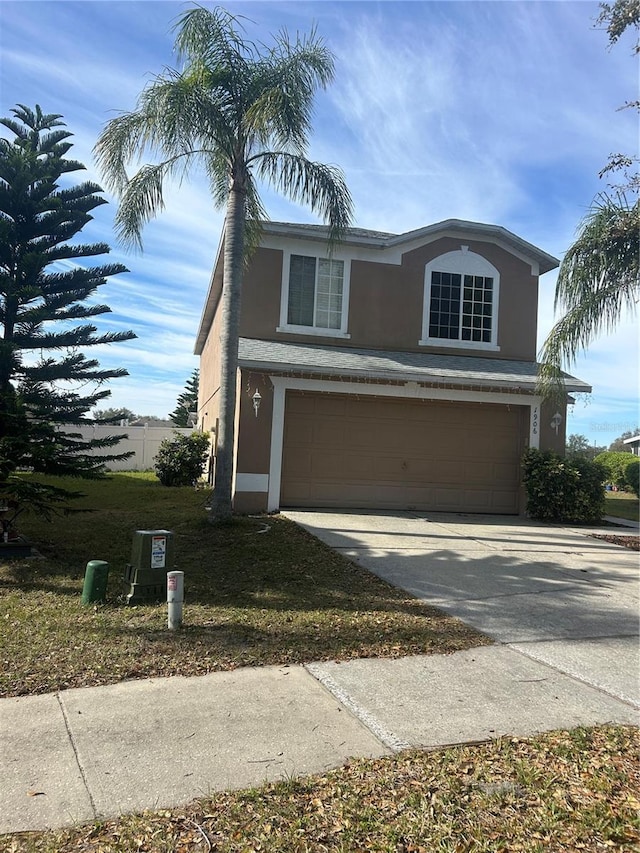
(461, 262)
(318, 331)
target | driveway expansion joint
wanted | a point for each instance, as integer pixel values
(567, 674)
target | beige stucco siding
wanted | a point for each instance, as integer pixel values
(261, 295)
(209, 384)
(386, 301)
(385, 306)
(255, 431)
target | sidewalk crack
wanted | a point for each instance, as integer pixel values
(83, 776)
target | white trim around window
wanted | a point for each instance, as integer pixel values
(463, 263)
(313, 329)
(409, 390)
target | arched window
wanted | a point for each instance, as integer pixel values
(461, 301)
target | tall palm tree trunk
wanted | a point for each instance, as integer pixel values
(229, 334)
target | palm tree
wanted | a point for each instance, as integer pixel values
(243, 113)
(598, 281)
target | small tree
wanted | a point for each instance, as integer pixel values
(615, 464)
(187, 401)
(112, 415)
(180, 460)
(632, 476)
(46, 382)
(619, 446)
(578, 446)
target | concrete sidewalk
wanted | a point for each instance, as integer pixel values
(81, 754)
(563, 609)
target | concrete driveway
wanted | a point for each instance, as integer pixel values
(553, 594)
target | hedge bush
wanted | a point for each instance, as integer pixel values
(563, 490)
(632, 475)
(180, 460)
(615, 463)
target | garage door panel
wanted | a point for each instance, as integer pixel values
(449, 499)
(506, 502)
(361, 435)
(353, 493)
(494, 449)
(327, 465)
(329, 434)
(479, 473)
(297, 464)
(447, 470)
(302, 436)
(504, 474)
(394, 453)
(412, 496)
(301, 404)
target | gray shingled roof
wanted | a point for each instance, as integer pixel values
(461, 370)
(386, 240)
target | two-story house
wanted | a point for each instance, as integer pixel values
(398, 372)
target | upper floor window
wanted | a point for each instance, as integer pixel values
(315, 296)
(461, 301)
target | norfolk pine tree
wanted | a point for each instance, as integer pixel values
(242, 112)
(187, 401)
(45, 379)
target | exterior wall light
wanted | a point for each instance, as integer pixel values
(257, 399)
(556, 420)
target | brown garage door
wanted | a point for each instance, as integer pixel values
(388, 453)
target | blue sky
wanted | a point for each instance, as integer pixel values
(497, 112)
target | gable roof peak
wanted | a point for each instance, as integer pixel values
(385, 239)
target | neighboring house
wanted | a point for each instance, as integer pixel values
(634, 444)
(398, 373)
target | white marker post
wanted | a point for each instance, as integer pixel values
(175, 598)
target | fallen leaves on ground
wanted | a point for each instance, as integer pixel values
(627, 541)
(564, 791)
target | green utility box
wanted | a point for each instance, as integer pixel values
(96, 577)
(151, 559)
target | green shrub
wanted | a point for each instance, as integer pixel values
(563, 490)
(615, 463)
(632, 475)
(179, 460)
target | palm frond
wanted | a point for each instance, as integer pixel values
(255, 216)
(598, 283)
(605, 254)
(281, 91)
(321, 187)
(142, 198)
(212, 36)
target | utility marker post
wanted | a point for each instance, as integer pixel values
(175, 598)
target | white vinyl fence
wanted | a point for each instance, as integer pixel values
(143, 440)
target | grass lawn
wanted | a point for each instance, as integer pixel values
(562, 791)
(251, 597)
(622, 505)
